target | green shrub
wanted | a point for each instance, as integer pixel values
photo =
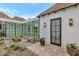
(16, 47)
(12, 46)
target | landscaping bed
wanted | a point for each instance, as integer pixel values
(10, 48)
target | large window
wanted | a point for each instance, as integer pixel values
(9, 29)
(29, 29)
(32, 29)
(24, 29)
(36, 29)
(19, 29)
(56, 31)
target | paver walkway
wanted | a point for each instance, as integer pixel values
(48, 50)
(23, 42)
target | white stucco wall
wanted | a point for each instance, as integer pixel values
(70, 34)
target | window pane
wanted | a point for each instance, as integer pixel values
(53, 39)
(57, 28)
(53, 22)
(53, 34)
(57, 41)
(58, 22)
(53, 28)
(57, 34)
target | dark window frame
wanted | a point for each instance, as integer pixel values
(59, 18)
(0, 26)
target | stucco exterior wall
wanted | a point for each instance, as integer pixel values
(69, 34)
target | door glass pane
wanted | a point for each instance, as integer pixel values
(56, 31)
(57, 40)
(57, 34)
(57, 28)
(53, 28)
(53, 22)
(53, 36)
(57, 22)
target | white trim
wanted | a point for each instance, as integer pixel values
(14, 21)
(33, 19)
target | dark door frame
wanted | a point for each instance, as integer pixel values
(51, 31)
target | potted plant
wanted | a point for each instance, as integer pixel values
(42, 41)
(72, 49)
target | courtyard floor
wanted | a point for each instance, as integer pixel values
(48, 50)
(32, 49)
(5, 49)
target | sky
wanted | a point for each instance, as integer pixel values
(25, 10)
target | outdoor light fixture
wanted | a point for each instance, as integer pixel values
(70, 22)
(44, 25)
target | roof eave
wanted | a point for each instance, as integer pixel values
(56, 10)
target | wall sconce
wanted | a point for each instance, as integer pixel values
(44, 25)
(70, 22)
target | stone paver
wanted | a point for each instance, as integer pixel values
(48, 50)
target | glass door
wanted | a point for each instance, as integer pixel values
(56, 31)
